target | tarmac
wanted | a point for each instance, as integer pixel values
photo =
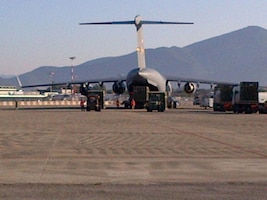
(185, 153)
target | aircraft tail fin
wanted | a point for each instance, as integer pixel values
(140, 42)
(141, 60)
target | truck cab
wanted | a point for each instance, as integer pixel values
(263, 102)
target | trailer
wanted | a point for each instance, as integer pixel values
(245, 97)
(222, 98)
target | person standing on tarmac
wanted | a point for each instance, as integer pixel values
(133, 103)
(117, 103)
(82, 105)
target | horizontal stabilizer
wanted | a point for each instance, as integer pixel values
(161, 22)
(103, 23)
(133, 22)
(138, 22)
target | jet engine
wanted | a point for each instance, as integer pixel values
(190, 87)
(119, 87)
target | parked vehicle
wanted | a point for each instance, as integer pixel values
(156, 101)
(262, 103)
(222, 98)
(95, 100)
(206, 101)
(245, 97)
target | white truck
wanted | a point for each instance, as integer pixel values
(206, 101)
(262, 102)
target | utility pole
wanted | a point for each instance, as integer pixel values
(51, 74)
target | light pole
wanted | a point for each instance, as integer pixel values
(72, 67)
(51, 74)
(72, 72)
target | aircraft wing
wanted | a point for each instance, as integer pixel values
(89, 81)
(197, 81)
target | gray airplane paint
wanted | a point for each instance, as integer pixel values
(142, 76)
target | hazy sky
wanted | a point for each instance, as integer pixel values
(38, 33)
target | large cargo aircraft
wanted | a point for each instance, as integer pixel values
(141, 75)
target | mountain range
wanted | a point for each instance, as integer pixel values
(237, 56)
